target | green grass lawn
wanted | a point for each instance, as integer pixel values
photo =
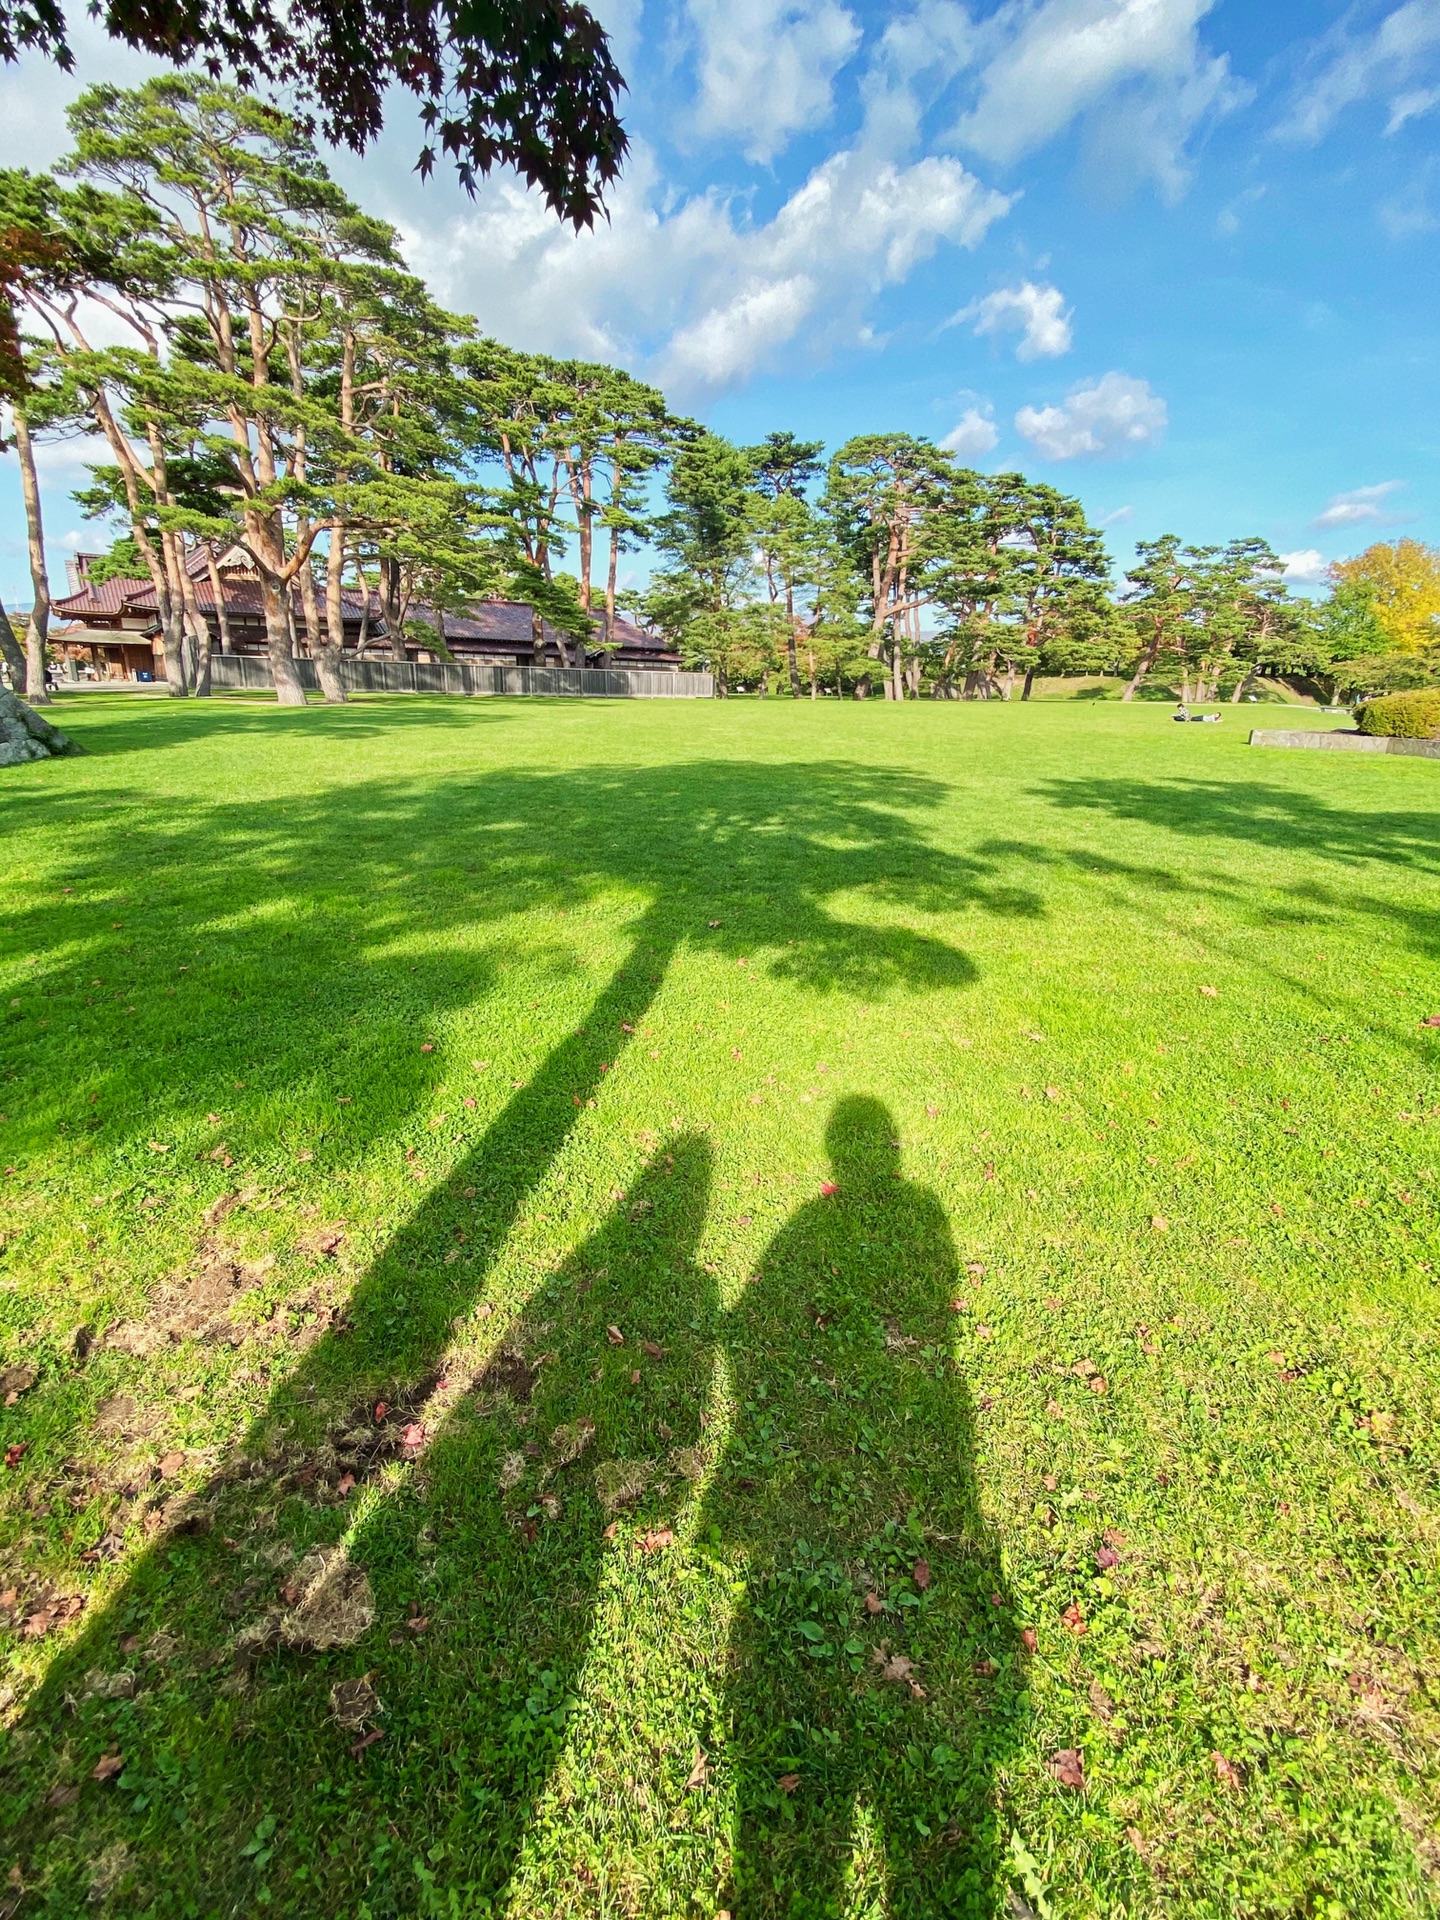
(663, 1308)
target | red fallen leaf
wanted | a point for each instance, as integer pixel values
(107, 1766)
(1029, 1639)
(827, 1187)
(920, 1573)
(656, 1539)
(615, 1336)
(346, 1485)
(428, 1047)
(1106, 1558)
(788, 1782)
(62, 1796)
(1074, 1618)
(382, 1407)
(14, 1455)
(366, 1740)
(874, 1604)
(1225, 1770)
(1067, 1766)
(414, 1435)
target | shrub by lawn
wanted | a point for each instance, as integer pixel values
(647, 1309)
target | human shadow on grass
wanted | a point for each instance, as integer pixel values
(876, 1669)
(204, 1768)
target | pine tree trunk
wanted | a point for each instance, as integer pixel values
(1029, 683)
(39, 627)
(1146, 661)
(217, 587)
(280, 646)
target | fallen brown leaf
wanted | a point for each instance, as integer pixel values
(1074, 1618)
(920, 1573)
(700, 1772)
(107, 1766)
(656, 1539)
(1226, 1771)
(1067, 1766)
(1029, 1639)
(788, 1782)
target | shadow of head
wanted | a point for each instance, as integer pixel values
(862, 1144)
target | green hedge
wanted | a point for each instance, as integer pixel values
(1403, 716)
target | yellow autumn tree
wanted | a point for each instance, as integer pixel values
(1405, 575)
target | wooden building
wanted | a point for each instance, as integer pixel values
(114, 630)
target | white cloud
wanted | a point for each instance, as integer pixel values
(1062, 60)
(973, 434)
(1345, 68)
(1037, 313)
(691, 288)
(1116, 517)
(1116, 414)
(1359, 507)
(1307, 568)
(767, 67)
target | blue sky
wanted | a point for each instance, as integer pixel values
(1178, 258)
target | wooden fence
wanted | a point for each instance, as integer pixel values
(237, 670)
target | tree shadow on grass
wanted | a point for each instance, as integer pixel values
(876, 1667)
(232, 1782)
(145, 724)
(1272, 817)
